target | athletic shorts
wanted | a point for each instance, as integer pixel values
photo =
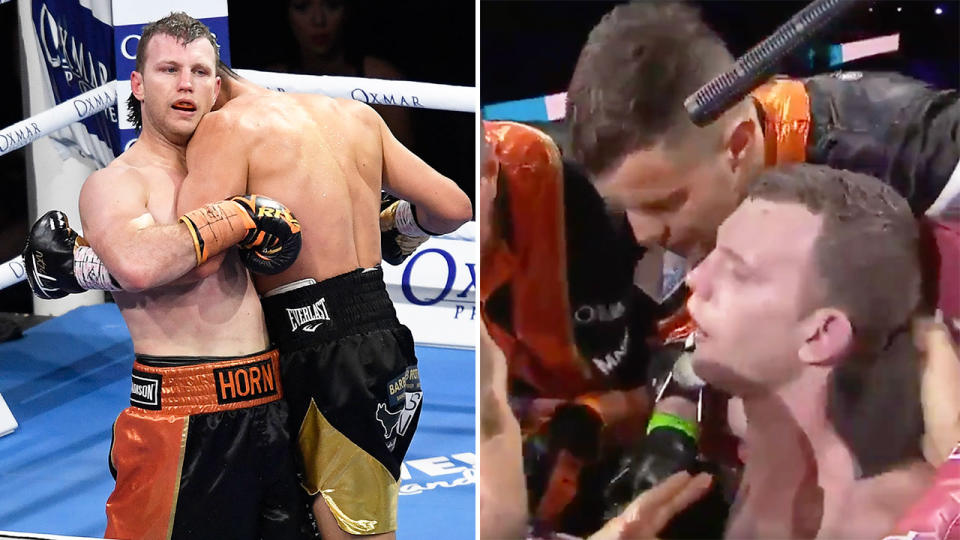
(204, 452)
(350, 376)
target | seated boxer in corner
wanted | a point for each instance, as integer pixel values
(677, 182)
(804, 309)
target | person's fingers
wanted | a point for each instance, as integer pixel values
(657, 496)
(654, 508)
(692, 491)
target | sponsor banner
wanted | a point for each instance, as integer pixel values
(74, 41)
(129, 17)
(440, 472)
(434, 291)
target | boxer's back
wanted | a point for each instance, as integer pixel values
(323, 158)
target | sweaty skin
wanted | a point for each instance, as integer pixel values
(129, 216)
(327, 159)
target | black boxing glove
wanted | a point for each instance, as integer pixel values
(274, 244)
(667, 449)
(671, 442)
(400, 234)
(59, 262)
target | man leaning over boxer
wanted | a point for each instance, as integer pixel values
(676, 182)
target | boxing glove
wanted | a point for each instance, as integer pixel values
(400, 233)
(59, 262)
(668, 448)
(265, 230)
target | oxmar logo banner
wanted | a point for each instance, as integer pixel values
(434, 291)
(75, 46)
(441, 472)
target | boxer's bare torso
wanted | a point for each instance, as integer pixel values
(780, 503)
(326, 159)
(197, 315)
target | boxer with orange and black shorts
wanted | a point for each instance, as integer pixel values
(203, 452)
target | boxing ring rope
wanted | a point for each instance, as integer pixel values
(73, 110)
(372, 91)
(419, 95)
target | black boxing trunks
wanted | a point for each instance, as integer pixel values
(350, 376)
(204, 452)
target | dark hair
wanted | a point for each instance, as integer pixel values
(639, 63)
(867, 257)
(224, 71)
(178, 25)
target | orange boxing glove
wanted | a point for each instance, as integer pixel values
(267, 232)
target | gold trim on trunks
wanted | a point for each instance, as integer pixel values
(360, 492)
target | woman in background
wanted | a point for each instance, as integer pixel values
(324, 31)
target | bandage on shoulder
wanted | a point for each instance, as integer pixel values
(217, 226)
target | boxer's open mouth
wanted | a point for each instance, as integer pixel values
(184, 105)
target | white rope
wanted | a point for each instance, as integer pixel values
(416, 95)
(76, 109)
(419, 95)
(12, 272)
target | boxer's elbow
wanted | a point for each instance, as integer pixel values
(463, 210)
(137, 275)
(133, 277)
(455, 211)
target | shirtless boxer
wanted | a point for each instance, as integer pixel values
(803, 310)
(298, 150)
(203, 451)
(348, 365)
(676, 182)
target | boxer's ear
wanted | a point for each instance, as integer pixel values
(827, 336)
(136, 84)
(738, 141)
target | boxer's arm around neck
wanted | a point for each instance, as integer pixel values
(215, 170)
(441, 205)
(139, 253)
(217, 162)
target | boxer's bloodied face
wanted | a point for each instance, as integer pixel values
(178, 86)
(751, 296)
(672, 198)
